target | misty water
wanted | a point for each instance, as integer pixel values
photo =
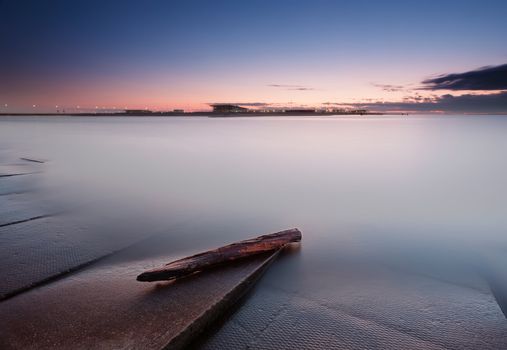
(422, 192)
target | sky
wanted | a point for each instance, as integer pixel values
(423, 56)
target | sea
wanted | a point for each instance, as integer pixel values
(424, 192)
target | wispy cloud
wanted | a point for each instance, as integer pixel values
(389, 87)
(485, 78)
(291, 87)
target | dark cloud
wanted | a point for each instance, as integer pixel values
(486, 78)
(495, 103)
(291, 87)
(252, 104)
(246, 104)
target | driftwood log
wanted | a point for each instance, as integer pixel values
(212, 258)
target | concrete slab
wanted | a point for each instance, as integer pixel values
(351, 307)
(35, 251)
(104, 307)
(18, 184)
(7, 170)
(17, 208)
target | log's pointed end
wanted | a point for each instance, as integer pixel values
(293, 235)
(142, 278)
(156, 275)
(299, 235)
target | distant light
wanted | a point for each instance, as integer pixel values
(6, 105)
(78, 107)
(96, 107)
(56, 106)
(34, 106)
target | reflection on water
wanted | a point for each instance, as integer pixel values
(419, 191)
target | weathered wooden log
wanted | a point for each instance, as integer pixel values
(212, 258)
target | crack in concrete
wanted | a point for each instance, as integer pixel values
(25, 220)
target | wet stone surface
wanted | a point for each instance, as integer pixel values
(69, 278)
(17, 208)
(104, 307)
(301, 303)
(351, 307)
(34, 251)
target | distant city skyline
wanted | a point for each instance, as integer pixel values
(162, 55)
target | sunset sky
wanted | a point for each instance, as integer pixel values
(185, 54)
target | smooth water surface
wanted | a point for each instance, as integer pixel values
(385, 184)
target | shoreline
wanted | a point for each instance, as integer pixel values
(199, 114)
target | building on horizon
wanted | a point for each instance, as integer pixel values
(138, 111)
(300, 111)
(227, 108)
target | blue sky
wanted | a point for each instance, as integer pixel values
(184, 54)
